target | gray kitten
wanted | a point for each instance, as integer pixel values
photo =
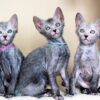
(10, 57)
(86, 70)
(43, 64)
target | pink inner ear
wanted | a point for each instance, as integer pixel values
(98, 24)
(59, 14)
(77, 23)
(38, 26)
(60, 17)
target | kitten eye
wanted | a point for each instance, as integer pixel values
(57, 24)
(47, 28)
(9, 31)
(82, 30)
(0, 32)
(92, 31)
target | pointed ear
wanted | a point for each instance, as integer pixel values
(79, 20)
(59, 14)
(38, 23)
(97, 23)
(14, 22)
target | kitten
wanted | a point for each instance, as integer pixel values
(10, 57)
(42, 64)
(86, 62)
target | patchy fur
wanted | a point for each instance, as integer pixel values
(42, 65)
(86, 62)
(10, 58)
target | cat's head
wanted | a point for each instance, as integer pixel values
(8, 30)
(88, 32)
(51, 28)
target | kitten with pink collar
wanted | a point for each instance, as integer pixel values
(10, 57)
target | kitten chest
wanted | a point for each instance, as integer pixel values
(61, 53)
(87, 63)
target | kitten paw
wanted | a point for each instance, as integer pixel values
(9, 96)
(59, 97)
(2, 94)
(94, 90)
(71, 93)
(47, 94)
(86, 91)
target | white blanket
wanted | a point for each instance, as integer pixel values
(76, 97)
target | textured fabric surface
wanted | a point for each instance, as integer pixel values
(77, 97)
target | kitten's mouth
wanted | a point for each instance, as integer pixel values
(86, 39)
(5, 40)
(55, 34)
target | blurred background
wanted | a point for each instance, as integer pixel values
(28, 37)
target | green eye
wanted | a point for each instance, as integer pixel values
(47, 28)
(92, 31)
(82, 30)
(57, 24)
(9, 31)
(0, 32)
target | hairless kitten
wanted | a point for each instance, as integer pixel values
(10, 57)
(43, 64)
(86, 69)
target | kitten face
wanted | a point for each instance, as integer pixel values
(8, 30)
(88, 32)
(51, 28)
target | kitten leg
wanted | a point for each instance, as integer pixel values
(85, 90)
(72, 82)
(2, 88)
(98, 88)
(83, 86)
(15, 60)
(53, 82)
(94, 83)
(12, 84)
(75, 73)
(14, 75)
(64, 75)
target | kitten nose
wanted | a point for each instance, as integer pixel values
(85, 36)
(5, 36)
(54, 30)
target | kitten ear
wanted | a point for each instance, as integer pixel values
(38, 23)
(79, 19)
(14, 22)
(59, 14)
(97, 23)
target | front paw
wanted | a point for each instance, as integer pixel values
(71, 92)
(2, 94)
(58, 97)
(86, 91)
(94, 90)
(9, 95)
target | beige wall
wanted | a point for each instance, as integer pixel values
(28, 38)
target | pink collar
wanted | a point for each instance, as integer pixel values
(3, 48)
